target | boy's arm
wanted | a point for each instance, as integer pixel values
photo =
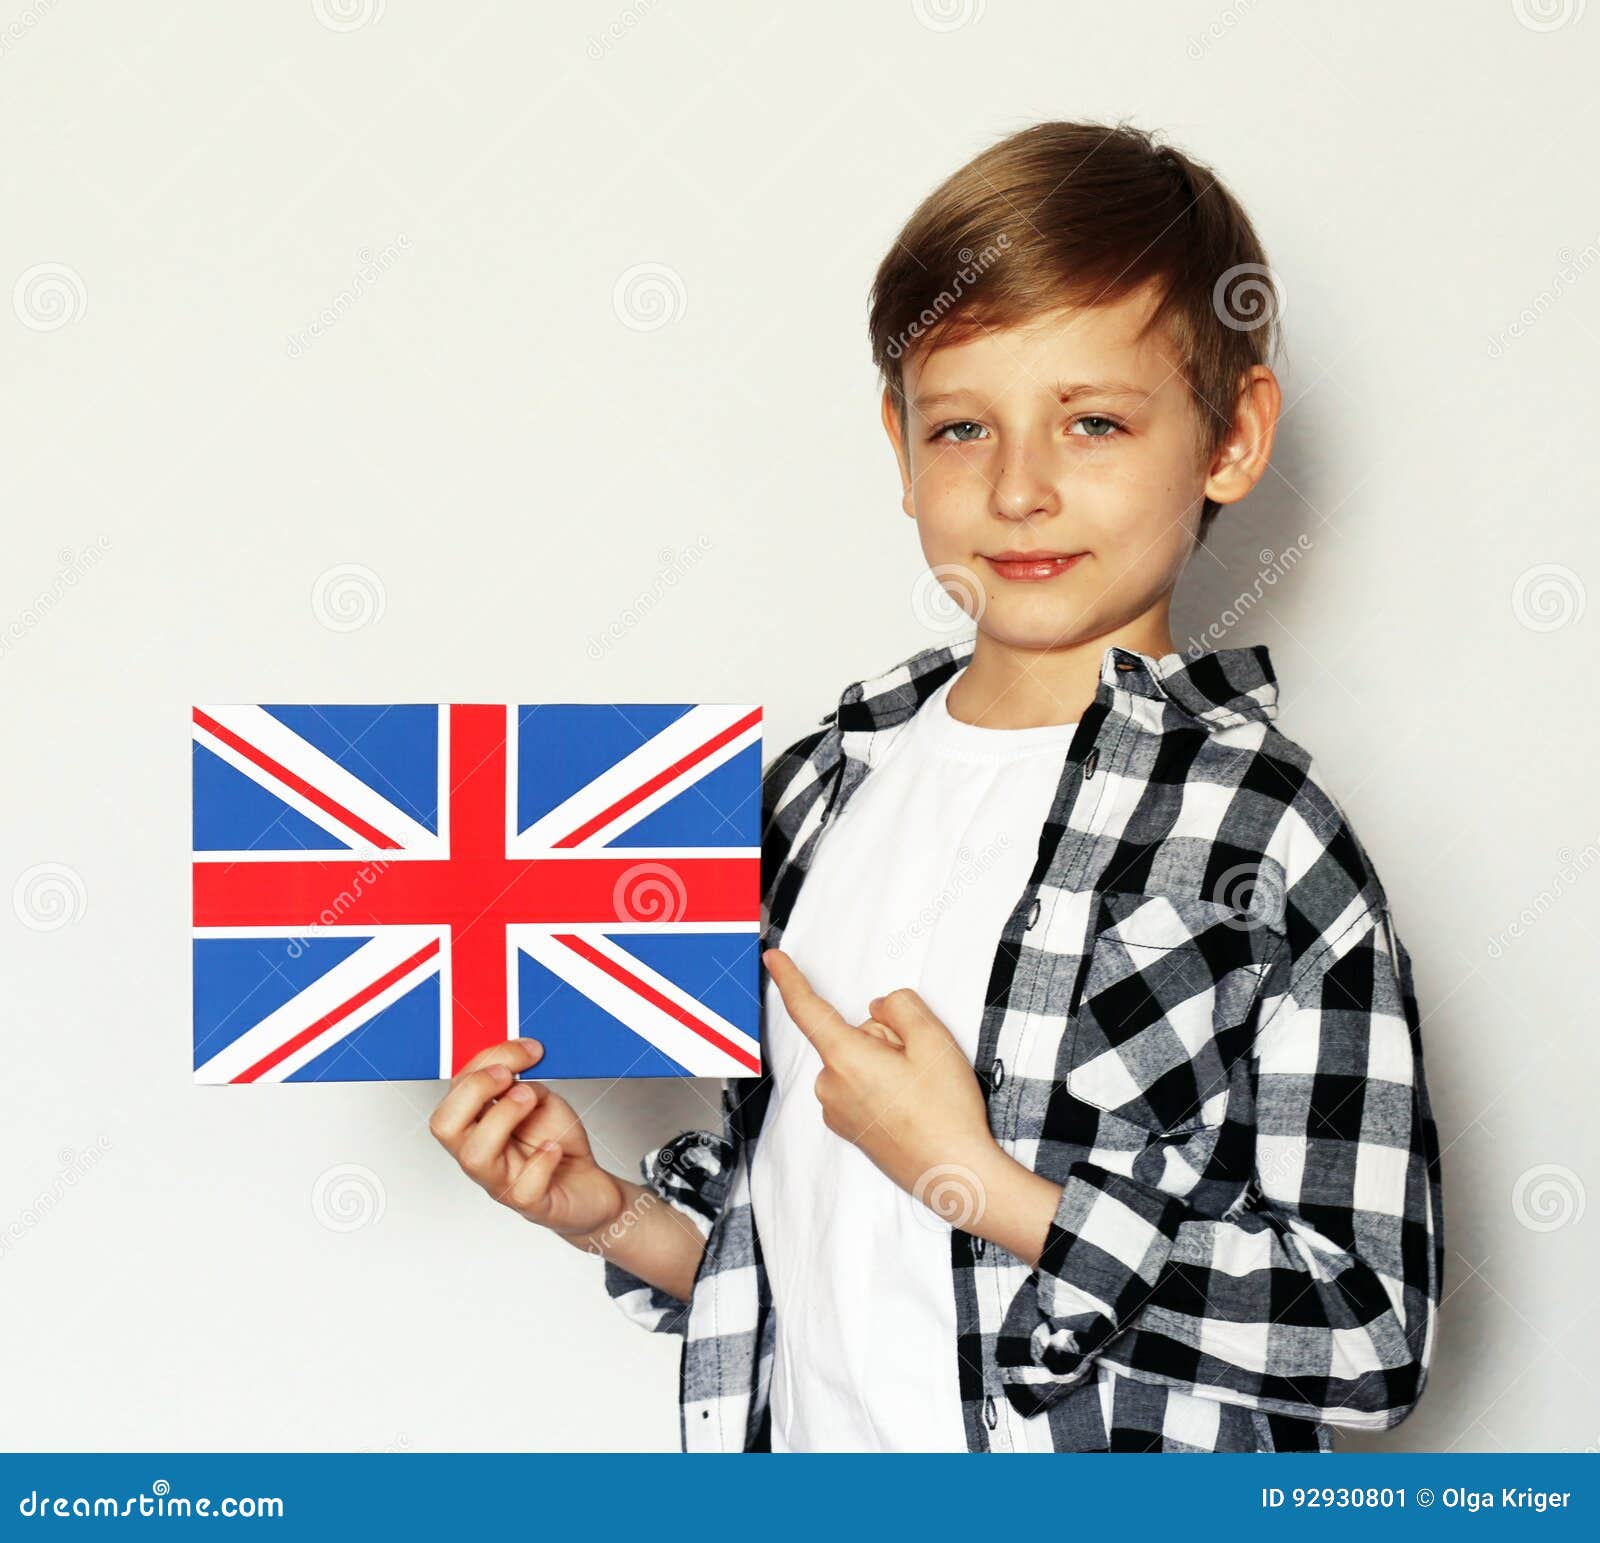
(1317, 1296)
(653, 1250)
(650, 1241)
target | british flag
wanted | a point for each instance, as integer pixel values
(382, 892)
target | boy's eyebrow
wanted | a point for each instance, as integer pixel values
(941, 398)
(1064, 391)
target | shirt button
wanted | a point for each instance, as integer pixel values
(1090, 761)
(1033, 915)
(997, 1072)
(991, 1417)
(977, 1247)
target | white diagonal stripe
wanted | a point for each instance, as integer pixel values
(672, 1038)
(390, 948)
(257, 727)
(674, 742)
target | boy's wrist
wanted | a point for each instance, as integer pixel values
(1016, 1205)
(600, 1240)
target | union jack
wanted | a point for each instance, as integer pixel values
(382, 892)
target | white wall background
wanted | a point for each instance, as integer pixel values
(482, 432)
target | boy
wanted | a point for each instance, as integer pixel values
(1092, 1113)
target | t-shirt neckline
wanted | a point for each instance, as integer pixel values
(950, 735)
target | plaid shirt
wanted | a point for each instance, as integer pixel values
(1200, 1022)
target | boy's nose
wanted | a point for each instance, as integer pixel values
(1024, 489)
(1027, 481)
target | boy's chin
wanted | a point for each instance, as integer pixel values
(1038, 632)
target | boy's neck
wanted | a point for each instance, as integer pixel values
(1008, 687)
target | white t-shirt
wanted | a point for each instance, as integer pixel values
(911, 886)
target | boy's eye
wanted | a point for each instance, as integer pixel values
(1090, 426)
(956, 433)
(1096, 426)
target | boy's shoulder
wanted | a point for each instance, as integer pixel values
(871, 706)
(1315, 865)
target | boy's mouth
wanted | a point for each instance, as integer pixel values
(1031, 566)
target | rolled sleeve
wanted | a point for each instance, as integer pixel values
(690, 1173)
(1105, 1249)
(1316, 1295)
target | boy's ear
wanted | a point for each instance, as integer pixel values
(1243, 458)
(893, 427)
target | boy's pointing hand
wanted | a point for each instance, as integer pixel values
(897, 1085)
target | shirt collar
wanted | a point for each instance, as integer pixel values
(1220, 687)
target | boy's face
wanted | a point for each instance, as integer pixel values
(1063, 435)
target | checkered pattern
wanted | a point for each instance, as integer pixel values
(1202, 1024)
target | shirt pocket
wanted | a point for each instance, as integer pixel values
(1161, 1007)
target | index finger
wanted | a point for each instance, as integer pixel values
(818, 1019)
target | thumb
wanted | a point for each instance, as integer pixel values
(919, 1027)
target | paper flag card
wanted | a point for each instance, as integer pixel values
(382, 892)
